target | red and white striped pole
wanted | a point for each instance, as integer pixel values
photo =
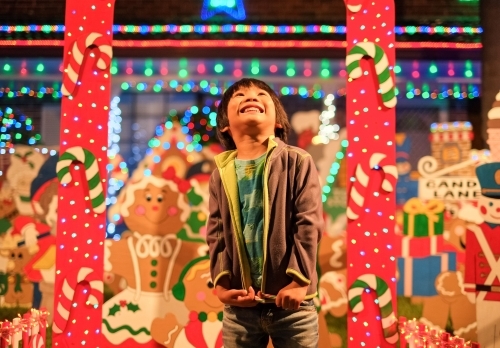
(371, 169)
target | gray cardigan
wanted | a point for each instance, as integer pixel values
(293, 221)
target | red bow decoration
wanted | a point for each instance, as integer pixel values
(182, 185)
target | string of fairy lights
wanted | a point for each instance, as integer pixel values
(16, 128)
(334, 170)
(243, 29)
(454, 90)
(291, 68)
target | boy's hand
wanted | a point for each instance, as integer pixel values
(232, 297)
(291, 295)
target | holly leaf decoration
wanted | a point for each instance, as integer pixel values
(194, 198)
(114, 309)
(183, 235)
(132, 307)
(196, 221)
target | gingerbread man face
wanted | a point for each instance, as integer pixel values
(490, 209)
(200, 291)
(154, 206)
(18, 258)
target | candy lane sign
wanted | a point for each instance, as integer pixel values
(449, 188)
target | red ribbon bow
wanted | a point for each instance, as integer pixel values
(182, 185)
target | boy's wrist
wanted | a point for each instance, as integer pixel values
(299, 282)
(223, 283)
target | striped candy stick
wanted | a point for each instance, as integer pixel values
(358, 192)
(5, 334)
(377, 284)
(77, 53)
(354, 5)
(89, 161)
(65, 305)
(37, 341)
(385, 80)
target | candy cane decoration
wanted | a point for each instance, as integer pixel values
(358, 189)
(385, 80)
(88, 159)
(377, 284)
(37, 341)
(70, 283)
(72, 71)
(354, 5)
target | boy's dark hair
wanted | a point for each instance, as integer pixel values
(223, 121)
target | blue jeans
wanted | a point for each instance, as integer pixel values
(251, 327)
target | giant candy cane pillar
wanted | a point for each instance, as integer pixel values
(370, 163)
(81, 171)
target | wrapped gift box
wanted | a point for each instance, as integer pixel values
(422, 219)
(422, 247)
(417, 275)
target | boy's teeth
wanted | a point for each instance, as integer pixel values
(251, 109)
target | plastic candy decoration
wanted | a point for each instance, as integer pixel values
(354, 5)
(385, 80)
(72, 71)
(371, 157)
(83, 138)
(417, 335)
(70, 284)
(26, 332)
(384, 297)
(85, 157)
(358, 192)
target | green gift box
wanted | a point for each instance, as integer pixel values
(423, 219)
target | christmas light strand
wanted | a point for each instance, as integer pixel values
(458, 91)
(249, 44)
(243, 29)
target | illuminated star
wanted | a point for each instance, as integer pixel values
(234, 8)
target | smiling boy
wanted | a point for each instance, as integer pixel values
(265, 224)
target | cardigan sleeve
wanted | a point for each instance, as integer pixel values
(215, 235)
(308, 211)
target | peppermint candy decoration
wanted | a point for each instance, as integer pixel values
(70, 283)
(385, 80)
(384, 296)
(358, 192)
(72, 72)
(87, 158)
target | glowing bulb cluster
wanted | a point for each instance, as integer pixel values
(328, 131)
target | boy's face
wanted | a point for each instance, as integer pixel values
(251, 111)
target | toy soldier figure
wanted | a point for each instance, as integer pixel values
(482, 260)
